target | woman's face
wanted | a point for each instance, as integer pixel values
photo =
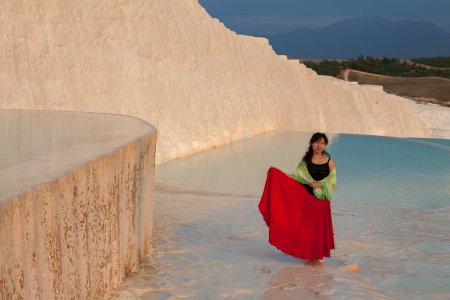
(319, 146)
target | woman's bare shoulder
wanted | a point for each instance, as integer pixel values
(331, 164)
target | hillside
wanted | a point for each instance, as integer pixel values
(370, 36)
(421, 89)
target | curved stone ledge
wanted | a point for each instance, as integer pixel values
(76, 215)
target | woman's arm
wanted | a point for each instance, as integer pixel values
(331, 165)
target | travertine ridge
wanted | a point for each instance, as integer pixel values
(76, 230)
(168, 62)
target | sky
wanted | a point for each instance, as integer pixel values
(265, 17)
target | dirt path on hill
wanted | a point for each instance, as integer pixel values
(420, 89)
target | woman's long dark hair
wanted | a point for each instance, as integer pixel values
(314, 138)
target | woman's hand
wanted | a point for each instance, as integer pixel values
(315, 185)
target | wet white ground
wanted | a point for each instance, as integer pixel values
(210, 246)
(213, 245)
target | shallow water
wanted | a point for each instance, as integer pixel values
(38, 146)
(390, 215)
(389, 170)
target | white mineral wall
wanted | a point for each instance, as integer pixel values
(169, 63)
(77, 236)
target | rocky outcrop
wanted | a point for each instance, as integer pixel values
(84, 220)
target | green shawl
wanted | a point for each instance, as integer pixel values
(328, 183)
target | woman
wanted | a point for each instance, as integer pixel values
(297, 209)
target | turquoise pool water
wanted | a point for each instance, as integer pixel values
(390, 170)
(391, 213)
(370, 169)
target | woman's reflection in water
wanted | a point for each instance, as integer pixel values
(302, 282)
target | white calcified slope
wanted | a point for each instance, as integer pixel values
(169, 63)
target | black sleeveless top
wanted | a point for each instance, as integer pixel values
(318, 172)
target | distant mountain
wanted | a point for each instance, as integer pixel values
(368, 36)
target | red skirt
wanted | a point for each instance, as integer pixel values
(299, 223)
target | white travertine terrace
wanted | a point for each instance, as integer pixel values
(168, 62)
(76, 202)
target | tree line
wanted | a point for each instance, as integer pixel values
(437, 62)
(384, 66)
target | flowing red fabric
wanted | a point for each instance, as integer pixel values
(299, 223)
